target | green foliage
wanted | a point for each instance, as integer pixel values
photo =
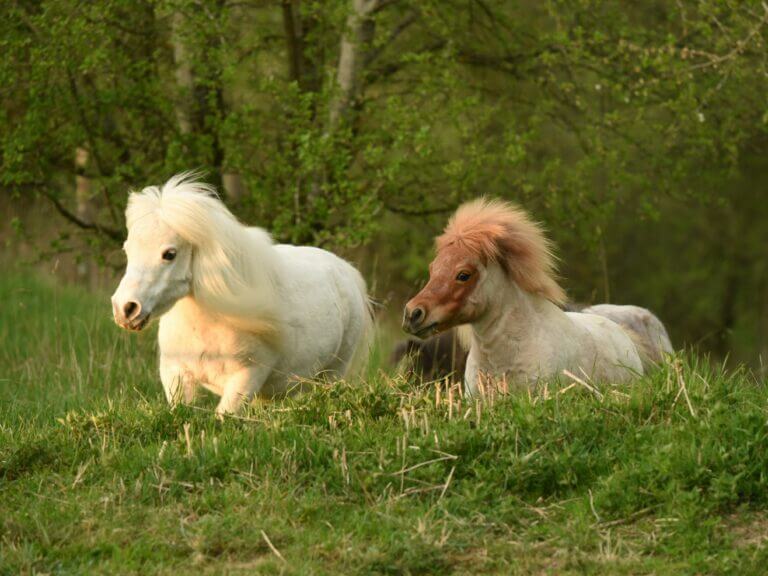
(629, 129)
(377, 476)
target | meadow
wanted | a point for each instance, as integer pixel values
(378, 475)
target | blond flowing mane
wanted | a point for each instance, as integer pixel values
(233, 266)
(501, 232)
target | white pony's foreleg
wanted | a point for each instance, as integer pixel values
(178, 386)
(240, 387)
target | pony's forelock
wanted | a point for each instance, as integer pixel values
(232, 266)
(501, 232)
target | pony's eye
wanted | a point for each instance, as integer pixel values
(169, 254)
(463, 276)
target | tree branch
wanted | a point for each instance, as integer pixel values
(393, 68)
(379, 5)
(91, 138)
(110, 233)
(423, 212)
(399, 29)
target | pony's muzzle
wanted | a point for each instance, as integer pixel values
(129, 314)
(413, 318)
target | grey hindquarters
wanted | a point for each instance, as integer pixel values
(643, 326)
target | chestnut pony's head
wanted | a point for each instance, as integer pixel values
(481, 234)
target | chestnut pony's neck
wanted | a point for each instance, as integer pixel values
(508, 336)
(508, 308)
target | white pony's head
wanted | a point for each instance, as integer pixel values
(182, 241)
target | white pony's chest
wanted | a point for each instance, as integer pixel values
(197, 346)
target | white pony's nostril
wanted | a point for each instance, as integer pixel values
(131, 310)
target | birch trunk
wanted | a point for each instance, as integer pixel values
(184, 78)
(355, 42)
(85, 207)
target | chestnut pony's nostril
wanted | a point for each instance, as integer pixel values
(416, 315)
(130, 310)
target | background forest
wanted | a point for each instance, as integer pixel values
(635, 130)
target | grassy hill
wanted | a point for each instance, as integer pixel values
(382, 476)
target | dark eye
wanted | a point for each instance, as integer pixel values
(169, 254)
(463, 276)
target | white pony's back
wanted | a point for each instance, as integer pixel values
(328, 295)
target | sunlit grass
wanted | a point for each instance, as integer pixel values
(381, 475)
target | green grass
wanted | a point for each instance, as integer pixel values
(374, 477)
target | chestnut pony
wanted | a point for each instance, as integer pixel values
(495, 271)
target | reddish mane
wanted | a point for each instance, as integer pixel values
(501, 232)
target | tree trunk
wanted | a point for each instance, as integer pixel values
(85, 208)
(294, 37)
(184, 78)
(234, 187)
(355, 43)
(303, 68)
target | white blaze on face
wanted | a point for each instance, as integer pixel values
(158, 273)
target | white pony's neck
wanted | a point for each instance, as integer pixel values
(517, 331)
(237, 275)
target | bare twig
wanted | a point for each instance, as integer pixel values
(447, 483)
(716, 60)
(275, 551)
(683, 390)
(401, 27)
(592, 389)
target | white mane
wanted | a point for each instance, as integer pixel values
(233, 266)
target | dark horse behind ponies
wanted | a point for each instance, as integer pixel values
(436, 358)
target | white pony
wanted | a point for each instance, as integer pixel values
(494, 270)
(238, 314)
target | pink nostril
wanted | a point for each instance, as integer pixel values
(131, 310)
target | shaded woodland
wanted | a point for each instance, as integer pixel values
(636, 131)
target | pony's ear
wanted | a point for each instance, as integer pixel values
(527, 257)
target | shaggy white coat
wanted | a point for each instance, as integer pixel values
(238, 315)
